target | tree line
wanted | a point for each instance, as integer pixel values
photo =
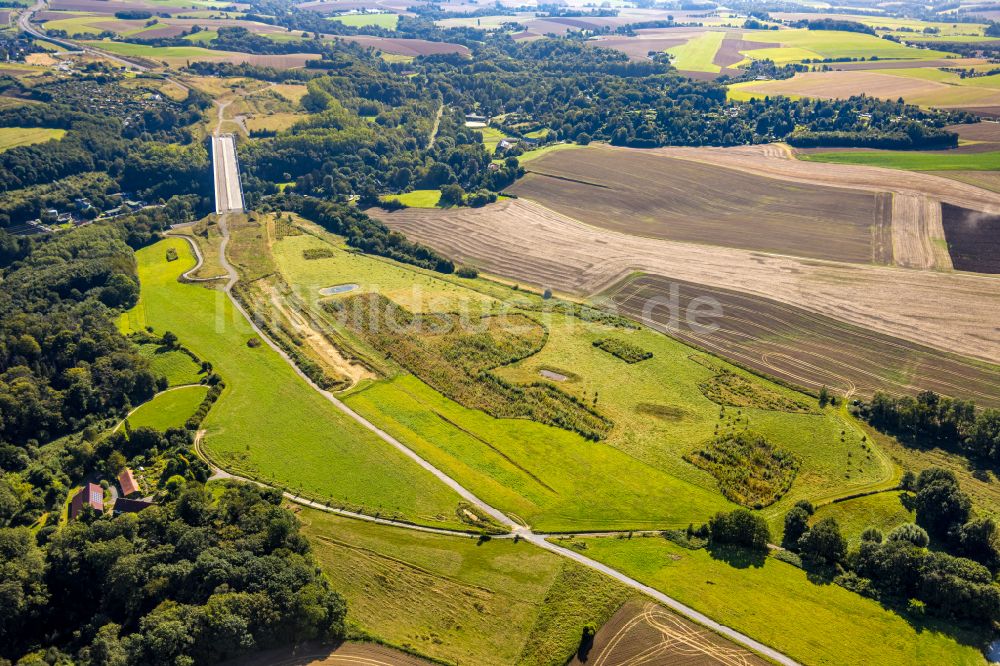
(933, 420)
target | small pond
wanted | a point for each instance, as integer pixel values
(337, 289)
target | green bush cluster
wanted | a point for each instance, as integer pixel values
(626, 351)
(457, 362)
(750, 470)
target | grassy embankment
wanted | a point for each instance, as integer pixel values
(637, 476)
(269, 422)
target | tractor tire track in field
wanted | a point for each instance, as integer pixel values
(517, 531)
(818, 349)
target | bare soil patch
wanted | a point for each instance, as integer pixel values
(729, 53)
(973, 239)
(527, 242)
(638, 48)
(987, 180)
(408, 47)
(647, 195)
(809, 350)
(645, 633)
(759, 161)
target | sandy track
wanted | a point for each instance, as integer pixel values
(525, 241)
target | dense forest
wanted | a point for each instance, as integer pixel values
(197, 580)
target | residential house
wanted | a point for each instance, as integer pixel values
(91, 495)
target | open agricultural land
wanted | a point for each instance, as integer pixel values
(803, 348)
(12, 137)
(750, 591)
(592, 392)
(527, 242)
(686, 201)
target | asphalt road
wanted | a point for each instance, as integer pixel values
(228, 192)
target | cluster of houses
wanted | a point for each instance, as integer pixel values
(126, 500)
(83, 213)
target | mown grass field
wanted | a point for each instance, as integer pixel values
(776, 604)
(454, 599)
(269, 422)
(416, 198)
(12, 137)
(175, 365)
(637, 476)
(169, 409)
(831, 44)
(697, 54)
(385, 20)
(911, 161)
(883, 511)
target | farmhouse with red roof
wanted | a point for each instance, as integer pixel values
(127, 483)
(92, 495)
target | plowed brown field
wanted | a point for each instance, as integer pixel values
(647, 194)
(805, 349)
(528, 242)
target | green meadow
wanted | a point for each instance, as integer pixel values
(634, 478)
(173, 364)
(383, 20)
(911, 161)
(802, 44)
(883, 511)
(775, 603)
(416, 198)
(12, 137)
(697, 54)
(169, 409)
(268, 422)
(459, 600)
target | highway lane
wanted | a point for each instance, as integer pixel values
(228, 192)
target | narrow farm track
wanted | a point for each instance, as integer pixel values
(517, 530)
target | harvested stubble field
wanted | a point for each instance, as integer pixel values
(973, 239)
(458, 600)
(841, 84)
(525, 241)
(810, 350)
(645, 194)
(642, 632)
